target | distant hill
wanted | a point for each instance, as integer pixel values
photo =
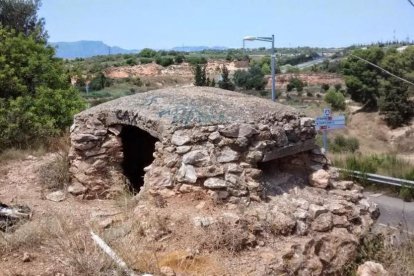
(197, 48)
(84, 49)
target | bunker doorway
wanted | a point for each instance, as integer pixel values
(138, 147)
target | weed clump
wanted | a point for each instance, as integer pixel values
(54, 175)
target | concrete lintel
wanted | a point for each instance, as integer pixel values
(289, 150)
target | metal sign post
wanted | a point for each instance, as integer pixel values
(327, 122)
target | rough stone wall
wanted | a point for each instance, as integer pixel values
(95, 156)
(224, 158)
(221, 157)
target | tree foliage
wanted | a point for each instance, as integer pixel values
(295, 82)
(164, 61)
(225, 82)
(26, 64)
(36, 100)
(21, 16)
(362, 79)
(199, 75)
(374, 88)
(251, 79)
(336, 99)
(147, 53)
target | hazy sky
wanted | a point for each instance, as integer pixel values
(135, 24)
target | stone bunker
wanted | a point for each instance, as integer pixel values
(175, 138)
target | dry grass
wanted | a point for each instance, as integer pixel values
(20, 154)
(54, 175)
(61, 241)
(397, 257)
(226, 235)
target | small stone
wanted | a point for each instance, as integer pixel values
(319, 179)
(203, 221)
(116, 130)
(234, 168)
(26, 257)
(231, 131)
(306, 122)
(201, 205)
(215, 137)
(166, 193)
(279, 136)
(228, 155)
(300, 214)
(196, 157)
(340, 221)
(83, 137)
(187, 173)
(342, 185)
(231, 178)
(371, 269)
(183, 149)
(301, 203)
(263, 127)
(254, 156)
(215, 183)
(76, 188)
(316, 210)
(210, 171)
(179, 138)
(222, 194)
(56, 196)
(212, 128)
(185, 188)
(322, 223)
(242, 142)
(246, 130)
(301, 228)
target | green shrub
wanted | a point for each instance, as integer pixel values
(295, 83)
(164, 61)
(406, 193)
(145, 60)
(251, 79)
(29, 120)
(336, 100)
(131, 61)
(338, 86)
(147, 53)
(196, 60)
(325, 87)
(179, 58)
(225, 82)
(99, 82)
(343, 144)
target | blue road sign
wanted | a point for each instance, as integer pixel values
(328, 123)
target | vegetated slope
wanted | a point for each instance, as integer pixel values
(84, 49)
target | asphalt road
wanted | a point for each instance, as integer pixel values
(394, 211)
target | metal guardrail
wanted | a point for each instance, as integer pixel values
(379, 178)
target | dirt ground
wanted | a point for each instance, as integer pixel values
(56, 240)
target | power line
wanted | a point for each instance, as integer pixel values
(411, 2)
(382, 69)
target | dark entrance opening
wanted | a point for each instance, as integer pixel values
(280, 176)
(138, 147)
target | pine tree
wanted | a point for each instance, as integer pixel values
(199, 75)
(226, 83)
(213, 83)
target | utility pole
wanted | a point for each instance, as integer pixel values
(273, 59)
